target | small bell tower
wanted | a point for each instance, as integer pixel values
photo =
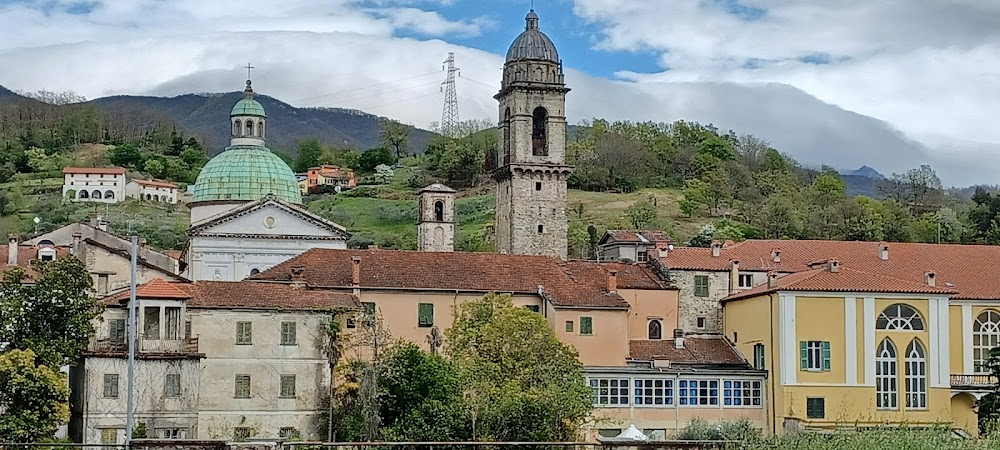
(436, 222)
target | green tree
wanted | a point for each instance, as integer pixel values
(125, 155)
(989, 405)
(34, 398)
(396, 136)
(641, 215)
(309, 154)
(154, 167)
(375, 156)
(461, 163)
(53, 316)
(506, 356)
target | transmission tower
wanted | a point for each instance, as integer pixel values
(449, 117)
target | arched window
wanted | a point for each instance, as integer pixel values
(506, 137)
(110, 195)
(249, 128)
(254, 271)
(899, 317)
(655, 329)
(539, 132)
(886, 388)
(439, 211)
(260, 128)
(156, 198)
(916, 376)
(84, 194)
(237, 128)
(96, 195)
(985, 336)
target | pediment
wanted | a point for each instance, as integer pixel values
(270, 218)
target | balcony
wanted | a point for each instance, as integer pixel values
(146, 346)
(972, 382)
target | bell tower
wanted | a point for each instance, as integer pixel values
(436, 224)
(531, 158)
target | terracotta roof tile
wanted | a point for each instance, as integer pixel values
(476, 272)
(156, 183)
(630, 276)
(159, 288)
(26, 257)
(698, 350)
(971, 270)
(843, 280)
(242, 295)
(95, 170)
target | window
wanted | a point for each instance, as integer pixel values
(173, 385)
(610, 391)
(916, 376)
(288, 386)
(241, 434)
(171, 433)
(701, 322)
(173, 322)
(586, 326)
(102, 283)
(609, 432)
(237, 127)
(758, 357)
(539, 119)
(287, 333)
(111, 385)
(242, 386)
(187, 329)
(655, 434)
(815, 355)
(538, 185)
(741, 393)
(110, 435)
(985, 336)
(116, 330)
(655, 329)
(541, 229)
(288, 433)
(569, 326)
(151, 322)
(701, 285)
(642, 256)
(254, 271)
(439, 211)
(746, 280)
(899, 317)
(815, 407)
(698, 392)
(532, 308)
(886, 390)
(425, 314)
(654, 392)
(244, 333)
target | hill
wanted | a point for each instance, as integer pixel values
(207, 116)
(865, 171)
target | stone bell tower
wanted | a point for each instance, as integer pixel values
(531, 167)
(436, 222)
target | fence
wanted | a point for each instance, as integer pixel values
(194, 444)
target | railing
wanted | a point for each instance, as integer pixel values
(972, 381)
(145, 346)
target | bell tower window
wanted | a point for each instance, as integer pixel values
(249, 128)
(506, 136)
(260, 129)
(539, 135)
(237, 127)
(439, 211)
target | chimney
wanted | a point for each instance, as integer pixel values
(541, 290)
(776, 256)
(833, 266)
(12, 250)
(679, 338)
(772, 280)
(356, 273)
(298, 277)
(734, 276)
(77, 248)
(716, 249)
(613, 281)
(884, 254)
(930, 278)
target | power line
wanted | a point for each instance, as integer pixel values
(449, 115)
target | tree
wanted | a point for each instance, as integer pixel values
(309, 154)
(125, 155)
(374, 157)
(396, 136)
(54, 316)
(34, 398)
(989, 405)
(507, 356)
(154, 167)
(461, 163)
(641, 215)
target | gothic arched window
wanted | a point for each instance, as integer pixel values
(655, 329)
(439, 211)
(916, 376)
(985, 336)
(886, 387)
(899, 317)
(249, 128)
(539, 132)
(237, 128)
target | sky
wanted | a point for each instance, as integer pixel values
(888, 83)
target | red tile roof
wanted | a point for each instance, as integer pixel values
(475, 272)
(843, 280)
(241, 295)
(971, 270)
(698, 350)
(637, 236)
(95, 170)
(156, 183)
(629, 276)
(26, 255)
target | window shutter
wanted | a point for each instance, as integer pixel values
(425, 314)
(586, 325)
(826, 356)
(804, 355)
(368, 307)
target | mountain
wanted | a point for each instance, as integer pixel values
(207, 117)
(865, 171)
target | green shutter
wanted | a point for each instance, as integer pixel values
(804, 355)
(586, 325)
(425, 314)
(701, 286)
(368, 308)
(826, 356)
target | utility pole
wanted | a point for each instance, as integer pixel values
(449, 116)
(133, 341)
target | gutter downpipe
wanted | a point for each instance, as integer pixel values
(773, 412)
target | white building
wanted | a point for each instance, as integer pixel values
(94, 184)
(152, 191)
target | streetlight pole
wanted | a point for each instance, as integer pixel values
(133, 340)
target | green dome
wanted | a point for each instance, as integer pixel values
(244, 172)
(248, 107)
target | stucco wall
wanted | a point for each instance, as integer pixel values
(607, 346)
(647, 305)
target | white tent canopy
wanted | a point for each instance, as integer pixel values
(632, 433)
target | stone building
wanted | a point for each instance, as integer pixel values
(531, 167)
(436, 222)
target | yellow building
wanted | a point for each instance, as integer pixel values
(848, 348)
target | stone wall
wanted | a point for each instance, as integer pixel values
(693, 307)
